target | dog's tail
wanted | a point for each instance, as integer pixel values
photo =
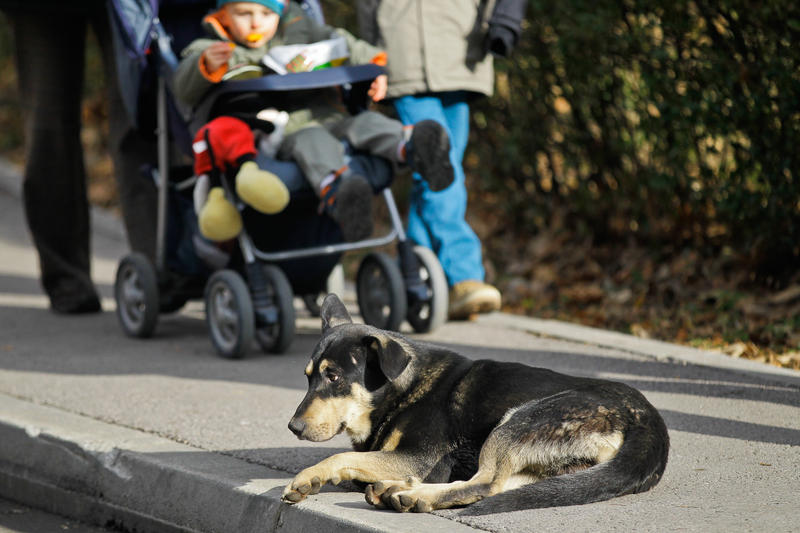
(637, 467)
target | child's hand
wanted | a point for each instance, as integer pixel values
(377, 91)
(217, 55)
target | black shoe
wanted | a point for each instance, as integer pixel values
(68, 303)
(348, 200)
(428, 152)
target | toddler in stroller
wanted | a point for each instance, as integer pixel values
(248, 282)
(241, 35)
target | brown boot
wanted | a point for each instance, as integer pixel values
(470, 297)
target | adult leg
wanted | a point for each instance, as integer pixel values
(50, 64)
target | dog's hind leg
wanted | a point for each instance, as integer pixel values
(540, 439)
(497, 471)
(494, 475)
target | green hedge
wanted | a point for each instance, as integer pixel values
(671, 121)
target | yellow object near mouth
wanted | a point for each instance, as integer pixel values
(255, 37)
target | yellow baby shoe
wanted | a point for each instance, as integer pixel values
(261, 190)
(219, 220)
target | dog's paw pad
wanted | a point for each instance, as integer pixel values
(373, 497)
(395, 499)
(316, 484)
(406, 502)
(422, 507)
(389, 499)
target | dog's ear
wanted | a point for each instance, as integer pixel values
(333, 313)
(392, 358)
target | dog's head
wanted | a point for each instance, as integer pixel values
(351, 365)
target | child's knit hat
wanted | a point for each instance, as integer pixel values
(276, 5)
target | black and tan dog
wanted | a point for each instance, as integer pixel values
(432, 429)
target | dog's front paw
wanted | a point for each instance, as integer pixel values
(300, 487)
(397, 495)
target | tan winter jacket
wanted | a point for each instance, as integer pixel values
(432, 45)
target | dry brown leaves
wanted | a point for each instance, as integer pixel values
(678, 296)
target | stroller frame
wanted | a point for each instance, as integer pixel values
(258, 302)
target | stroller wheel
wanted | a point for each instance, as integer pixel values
(334, 284)
(381, 292)
(428, 314)
(276, 336)
(229, 313)
(136, 293)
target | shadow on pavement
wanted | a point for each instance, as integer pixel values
(181, 349)
(723, 427)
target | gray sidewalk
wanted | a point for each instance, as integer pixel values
(162, 435)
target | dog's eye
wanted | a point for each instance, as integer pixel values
(331, 376)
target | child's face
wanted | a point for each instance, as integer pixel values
(251, 24)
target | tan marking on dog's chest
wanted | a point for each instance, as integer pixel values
(359, 426)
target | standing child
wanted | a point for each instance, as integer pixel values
(442, 55)
(241, 33)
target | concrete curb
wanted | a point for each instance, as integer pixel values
(107, 474)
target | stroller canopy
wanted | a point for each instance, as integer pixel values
(133, 27)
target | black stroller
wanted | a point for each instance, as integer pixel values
(249, 289)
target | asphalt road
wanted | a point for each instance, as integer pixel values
(735, 431)
(18, 518)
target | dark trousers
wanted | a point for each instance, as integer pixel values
(50, 58)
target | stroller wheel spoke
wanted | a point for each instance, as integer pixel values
(136, 295)
(225, 312)
(381, 292)
(132, 290)
(427, 308)
(275, 318)
(229, 313)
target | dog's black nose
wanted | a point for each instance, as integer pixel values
(297, 426)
